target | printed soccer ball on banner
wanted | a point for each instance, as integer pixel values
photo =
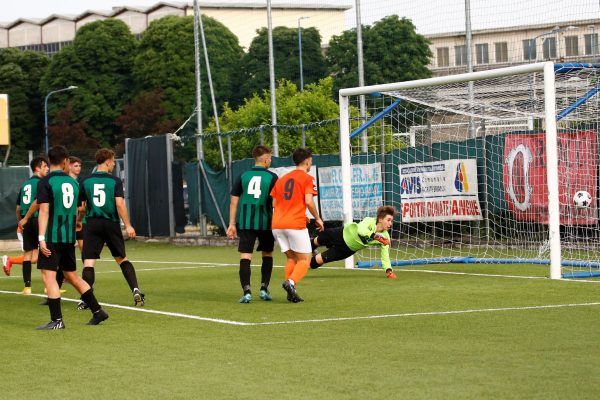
(582, 199)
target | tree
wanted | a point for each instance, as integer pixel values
(19, 77)
(294, 107)
(393, 52)
(100, 64)
(255, 64)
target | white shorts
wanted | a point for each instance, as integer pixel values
(293, 239)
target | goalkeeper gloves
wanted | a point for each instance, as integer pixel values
(381, 239)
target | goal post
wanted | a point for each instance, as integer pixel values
(526, 93)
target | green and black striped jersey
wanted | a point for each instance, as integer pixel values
(27, 195)
(100, 191)
(62, 193)
(255, 209)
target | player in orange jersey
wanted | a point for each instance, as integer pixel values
(292, 195)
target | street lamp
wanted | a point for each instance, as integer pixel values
(46, 112)
(300, 52)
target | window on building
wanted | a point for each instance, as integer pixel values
(571, 46)
(443, 57)
(460, 55)
(482, 53)
(549, 47)
(501, 52)
(529, 50)
(591, 44)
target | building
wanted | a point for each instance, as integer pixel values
(57, 31)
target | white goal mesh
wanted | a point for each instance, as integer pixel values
(464, 161)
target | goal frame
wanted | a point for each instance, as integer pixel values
(548, 70)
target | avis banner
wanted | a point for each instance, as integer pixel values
(367, 191)
(440, 191)
(524, 171)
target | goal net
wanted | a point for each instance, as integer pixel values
(497, 166)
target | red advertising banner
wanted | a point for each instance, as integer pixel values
(524, 171)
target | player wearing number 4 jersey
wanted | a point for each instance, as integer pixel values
(251, 191)
(293, 194)
(104, 201)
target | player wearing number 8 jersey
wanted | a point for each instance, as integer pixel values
(293, 194)
(251, 191)
(105, 204)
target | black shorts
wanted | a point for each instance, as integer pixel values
(79, 234)
(248, 237)
(30, 235)
(337, 249)
(99, 231)
(62, 257)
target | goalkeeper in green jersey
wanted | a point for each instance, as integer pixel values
(344, 241)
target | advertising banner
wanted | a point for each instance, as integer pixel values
(280, 171)
(439, 191)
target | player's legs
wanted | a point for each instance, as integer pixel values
(266, 244)
(337, 249)
(299, 250)
(246, 248)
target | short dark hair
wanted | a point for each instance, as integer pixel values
(260, 151)
(300, 155)
(37, 162)
(73, 159)
(57, 154)
(103, 155)
(384, 211)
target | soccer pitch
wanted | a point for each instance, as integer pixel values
(436, 332)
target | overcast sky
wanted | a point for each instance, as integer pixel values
(430, 16)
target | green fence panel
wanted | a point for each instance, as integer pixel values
(10, 182)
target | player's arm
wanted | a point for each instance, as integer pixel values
(310, 204)
(231, 230)
(124, 215)
(32, 210)
(42, 226)
(80, 215)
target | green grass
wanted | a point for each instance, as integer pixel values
(546, 353)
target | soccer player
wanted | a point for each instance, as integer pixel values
(74, 171)
(105, 203)
(57, 197)
(29, 233)
(344, 241)
(252, 192)
(293, 194)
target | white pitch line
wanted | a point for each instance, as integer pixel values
(335, 319)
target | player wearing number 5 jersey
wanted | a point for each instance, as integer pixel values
(293, 194)
(105, 204)
(251, 192)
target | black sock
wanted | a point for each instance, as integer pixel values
(245, 275)
(265, 271)
(89, 299)
(129, 274)
(55, 310)
(60, 277)
(27, 273)
(313, 263)
(89, 275)
(312, 244)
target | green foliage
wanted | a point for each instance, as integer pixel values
(255, 65)
(294, 107)
(20, 74)
(100, 63)
(393, 52)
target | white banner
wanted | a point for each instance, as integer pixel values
(281, 171)
(439, 191)
(367, 191)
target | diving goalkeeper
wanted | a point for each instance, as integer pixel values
(344, 241)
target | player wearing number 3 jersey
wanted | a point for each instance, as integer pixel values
(104, 201)
(293, 194)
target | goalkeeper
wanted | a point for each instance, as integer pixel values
(344, 241)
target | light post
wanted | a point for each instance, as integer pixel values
(46, 112)
(300, 52)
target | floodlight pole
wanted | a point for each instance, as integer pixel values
(300, 52)
(46, 113)
(272, 80)
(468, 43)
(361, 74)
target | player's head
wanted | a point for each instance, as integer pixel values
(302, 158)
(74, 165)
(39, 165)
(262, 155)
(105, 158)
(385, 216)
(59, 157)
